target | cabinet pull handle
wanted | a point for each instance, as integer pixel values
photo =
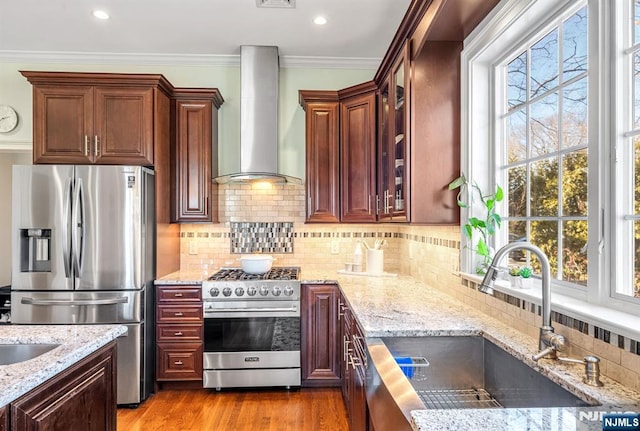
(369, 205)
(86, 145)
(178, 314)
(309, 206)
(96, 142)
(178, 334)
(178, 295)
(177, 363)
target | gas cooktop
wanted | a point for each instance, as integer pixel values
(276, 273)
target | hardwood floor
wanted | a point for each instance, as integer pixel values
(255, 410)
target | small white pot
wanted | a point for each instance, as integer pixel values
(256, 263)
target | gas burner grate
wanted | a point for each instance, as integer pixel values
(276, 273)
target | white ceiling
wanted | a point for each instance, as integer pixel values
(357, 32)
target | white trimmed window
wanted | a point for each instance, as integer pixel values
(551, 113)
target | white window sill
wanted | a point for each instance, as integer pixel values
(618, 322)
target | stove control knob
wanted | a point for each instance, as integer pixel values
(288, 290)
(251, 291)
(239, 291)
(264, 290)
(277, 291)
(226, 291)
(214, 291)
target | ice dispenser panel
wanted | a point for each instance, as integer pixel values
(35, 250)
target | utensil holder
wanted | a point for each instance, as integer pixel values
(375, 259)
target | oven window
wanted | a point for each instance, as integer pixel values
(257, 334)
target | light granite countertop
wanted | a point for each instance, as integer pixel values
(76, 342)
(403, 306)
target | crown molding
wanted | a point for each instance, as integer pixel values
(62, 57)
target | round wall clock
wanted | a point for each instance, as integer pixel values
(8, 118)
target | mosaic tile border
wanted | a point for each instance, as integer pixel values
(604, 335)
(344, 235)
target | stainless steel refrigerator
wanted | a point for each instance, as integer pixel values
(83, 242)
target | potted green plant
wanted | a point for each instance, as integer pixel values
(485, 226)
(525, 273)
(514, 277)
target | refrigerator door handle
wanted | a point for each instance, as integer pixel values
(78, 227)
(65, 228)
(108, 301)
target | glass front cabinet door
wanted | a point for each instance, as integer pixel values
(393, 141)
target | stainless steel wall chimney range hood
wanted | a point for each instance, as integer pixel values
(259, 75)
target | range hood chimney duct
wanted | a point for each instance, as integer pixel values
(259, 76)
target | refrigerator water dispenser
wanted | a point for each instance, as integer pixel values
(35, 250)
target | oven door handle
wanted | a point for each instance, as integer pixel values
(245, 310)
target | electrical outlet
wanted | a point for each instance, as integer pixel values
(335, 247)
(193, 248)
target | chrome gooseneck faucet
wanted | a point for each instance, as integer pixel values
(549, 342)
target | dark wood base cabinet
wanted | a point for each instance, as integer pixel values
(320, 336)
(81, 398)
(179, 334)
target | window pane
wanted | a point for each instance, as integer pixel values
(517, 232)
(574, 45)
(544, 64)
(636, 263)
(636, 175)
(544, 187)
(544, 234)
(574, 114)
(636, 22)
(574, 184)
(544, 125)
(574, 252)
(518, 191)
(517, 81)
(516, 136)
(636, 90)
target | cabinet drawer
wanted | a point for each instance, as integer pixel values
(179, 294)
(179, 333)
(179, 313)
(179, 361)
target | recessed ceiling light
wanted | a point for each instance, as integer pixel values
(100, 14)
(320, 20)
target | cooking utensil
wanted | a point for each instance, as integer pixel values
(256, 263)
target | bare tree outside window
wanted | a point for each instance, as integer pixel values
(546, 142)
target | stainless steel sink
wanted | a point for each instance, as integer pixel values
(452, 373)
(14, 353)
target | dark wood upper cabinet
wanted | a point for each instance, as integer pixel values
(358, 153)
(322, 117)
(393, 143)
(194, 150)
(97, 118)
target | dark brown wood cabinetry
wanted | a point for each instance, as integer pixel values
(81, 398)
(320, 335)
(353, 366)
(179, 333)
(97, 117)
(417, 87)
(322, 115)
(194, 152)
(4, 419)
(358, 153)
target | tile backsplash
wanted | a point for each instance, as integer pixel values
(431, 254)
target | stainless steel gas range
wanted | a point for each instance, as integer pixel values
(252, 328)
